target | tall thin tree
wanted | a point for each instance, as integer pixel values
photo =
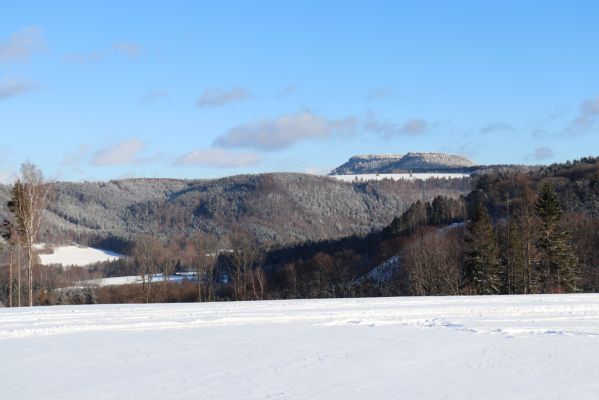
(30, 197)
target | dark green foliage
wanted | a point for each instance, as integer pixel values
(558, 263)
(441, 211)
(481, 255)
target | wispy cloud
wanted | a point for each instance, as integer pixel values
(540, 154)
(414, 126)
(75, 158)
(153, 96)
(127, 49)
(496, 127)
(218, 158)
(21, 45)
(14, 88)
(389, 129)
(379, 93)
(587, 115)
(288, 91)
(282, 132)
(220, 97)
(126, 152)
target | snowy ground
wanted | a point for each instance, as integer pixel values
(77, 255)
(509, 347)
(130, 279)
(397, 177)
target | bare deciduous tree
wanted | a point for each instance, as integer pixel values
(146, 255)
(204, 257)
(244, 257)
(431, 261)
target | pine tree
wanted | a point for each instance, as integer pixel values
(481, 253)
(558, 263)
(526, 279)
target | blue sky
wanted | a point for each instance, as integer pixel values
(103, 90)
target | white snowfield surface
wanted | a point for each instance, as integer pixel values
(133, 279)
(77, 256)
(398, 177)
(496, 347)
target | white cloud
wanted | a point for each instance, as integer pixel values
(541, 153)
(15, 88)
(21, 45)
(414, 126)
(288, 91)
(218, 158)
(587, 115)
(379, 93)
(128, 49)
(388, 129)
(496, 127)
(282, 132)
(123, 153)
(220, 97)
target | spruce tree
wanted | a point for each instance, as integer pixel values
(558, 262)
(481, 255)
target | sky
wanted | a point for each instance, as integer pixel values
(112, 89)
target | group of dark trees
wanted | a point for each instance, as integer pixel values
(29, 197)
(533, 231)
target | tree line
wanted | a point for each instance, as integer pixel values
(526, 232)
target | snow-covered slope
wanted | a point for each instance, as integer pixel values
(78, 256)
(509, 347)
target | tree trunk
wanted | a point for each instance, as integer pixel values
(30, 273)
(10, 278)
(18, 273)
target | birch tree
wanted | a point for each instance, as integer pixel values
(30, 197)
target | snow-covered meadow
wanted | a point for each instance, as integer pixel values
(75, 255)
(495, 347)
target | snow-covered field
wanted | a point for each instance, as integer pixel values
(508, 347)
(397, 177)
(131, 279)
(77, 255)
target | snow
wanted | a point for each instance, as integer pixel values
(136, 279)
(496, 347)
(397, 177)
(77, 256)
(114, 281)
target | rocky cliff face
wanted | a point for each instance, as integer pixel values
(410, 162)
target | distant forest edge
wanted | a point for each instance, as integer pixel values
(505, 231)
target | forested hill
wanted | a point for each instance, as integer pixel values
(280, 208)
(519, 231)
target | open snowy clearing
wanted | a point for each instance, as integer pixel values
(398, 177)
(77, 256)
(134, 279)
(496, 347)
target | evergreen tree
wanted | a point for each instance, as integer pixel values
(525, 276)
(481, 253)
(558, 263)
